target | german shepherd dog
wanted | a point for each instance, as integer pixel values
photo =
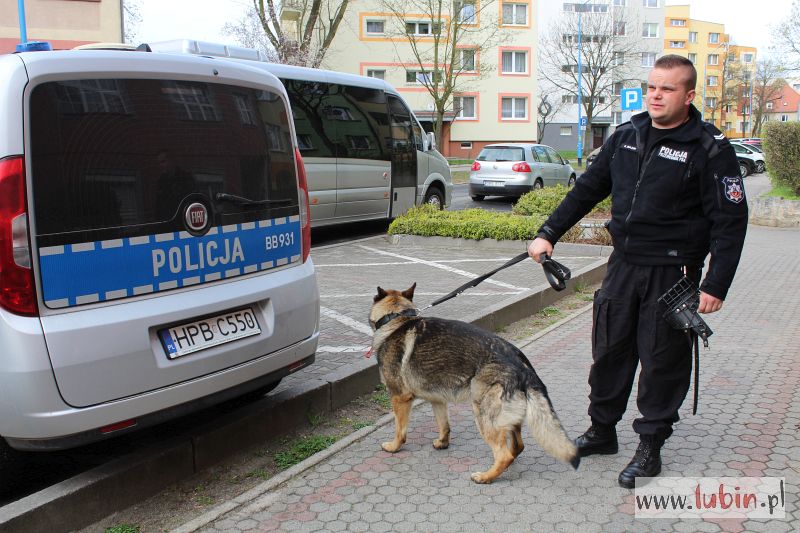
(445, 361)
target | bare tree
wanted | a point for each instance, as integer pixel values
(547, 109)
(787, 38)
(300, 39)
(608, 52)
(131, 17)
(726, 92)
(768, 88)
(444, 40)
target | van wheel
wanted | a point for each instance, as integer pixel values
(434, 197)
(538, 184)
(760, 167)
(477, 197)
(571, 182)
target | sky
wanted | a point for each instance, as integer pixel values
(749, 22)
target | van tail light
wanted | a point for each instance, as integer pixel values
(521, 167)
(17, 289)
(476, 166)
(305, 210)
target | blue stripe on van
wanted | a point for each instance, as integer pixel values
(106, 270)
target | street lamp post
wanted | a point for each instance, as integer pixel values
(580, 92)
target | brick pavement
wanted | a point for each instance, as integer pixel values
(747, 425)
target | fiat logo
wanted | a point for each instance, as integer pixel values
(196, 217)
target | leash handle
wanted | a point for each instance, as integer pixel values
(556, 273)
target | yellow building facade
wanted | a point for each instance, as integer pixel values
(63, 23)
(724, 70)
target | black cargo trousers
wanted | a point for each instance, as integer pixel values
(628, 329)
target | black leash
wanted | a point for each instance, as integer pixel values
(696, 372)
(556, 274)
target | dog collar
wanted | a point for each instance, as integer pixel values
(391, 316)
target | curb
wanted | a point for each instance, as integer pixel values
(92, 495)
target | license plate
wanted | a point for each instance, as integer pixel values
(488, 183)
(191, 337)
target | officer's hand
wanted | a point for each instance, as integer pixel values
(538, 247)
(709, 304)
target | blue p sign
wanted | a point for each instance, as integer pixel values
(631, 99)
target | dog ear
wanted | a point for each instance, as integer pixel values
(380, 296)
(409, 292)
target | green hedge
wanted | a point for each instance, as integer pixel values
(782, 151)
(476, 224)
(542, 202)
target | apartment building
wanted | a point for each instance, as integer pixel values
(725, 70)
(493, 99)
(636, 26)
(63, 23)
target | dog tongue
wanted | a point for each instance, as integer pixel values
(368, 353)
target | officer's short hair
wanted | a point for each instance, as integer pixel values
(670, 61)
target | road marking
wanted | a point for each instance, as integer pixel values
(346, 320)
(443, 267)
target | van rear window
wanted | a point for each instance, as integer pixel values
(115, 158)
(502, 153)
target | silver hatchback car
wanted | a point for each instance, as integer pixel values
(513, 169)
(154, 241)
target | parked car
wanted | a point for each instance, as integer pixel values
(750, 153)
(513, 169)
(154, 241)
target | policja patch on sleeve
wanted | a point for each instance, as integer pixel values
(734, 189)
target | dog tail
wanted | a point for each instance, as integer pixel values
(547, 429)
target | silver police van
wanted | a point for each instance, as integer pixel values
(154, 241)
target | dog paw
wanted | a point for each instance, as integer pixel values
(390, 447)
(440, 444)
(480, 477)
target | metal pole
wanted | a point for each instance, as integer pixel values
(703, 103)
(23, 32)
(580, 91)
(752, 81)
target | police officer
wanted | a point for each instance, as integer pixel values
(676, 196)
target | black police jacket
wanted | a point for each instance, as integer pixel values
(670, 206)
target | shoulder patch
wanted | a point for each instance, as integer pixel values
(733, 188)
(719, 137)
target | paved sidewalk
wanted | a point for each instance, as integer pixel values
(747, 425)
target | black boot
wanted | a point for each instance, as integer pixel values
(645, 463)
(598, 439)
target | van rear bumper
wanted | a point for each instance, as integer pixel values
(56, 429)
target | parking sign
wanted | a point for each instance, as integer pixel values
(631, 99)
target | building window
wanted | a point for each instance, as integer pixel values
(586, 8)
(619, 27)
(246, 112)
(376, 73)
(375, 26)
(747, 58)
(617, 88)
(746, 126)
(677, 44)
(650, 30)
(515, 14)
(618, 59)
(464, 106)
(693, 58)
(617, 117)
(648, 59)
(421, 28)
(466, 146)
(569, 98)
(729, 108)
(728, 125)
(711, 101)
(711, 81)
(784, 118)
(619, 3)
(468, 60)
(713, 59)
(566, 131)
(677, 22)
(514, 108)
(692, 36)
(465, 10)
(745, 110)
(514, 62)
(649, 3)
(417, 76)
(713, 38)
(769, 105)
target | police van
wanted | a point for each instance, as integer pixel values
(366, 154)
(154, 241)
